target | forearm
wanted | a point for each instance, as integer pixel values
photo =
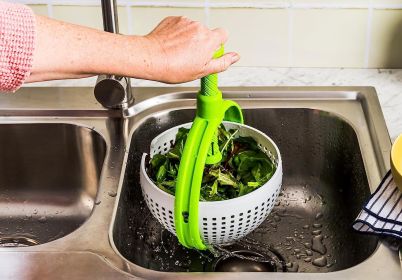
(64, 50)
(177, 50)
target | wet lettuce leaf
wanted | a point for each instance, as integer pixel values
(244, 167)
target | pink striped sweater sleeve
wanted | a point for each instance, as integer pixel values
(17, 41)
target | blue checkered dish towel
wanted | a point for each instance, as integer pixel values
(383, 213)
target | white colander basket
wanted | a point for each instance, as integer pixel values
(220, 222)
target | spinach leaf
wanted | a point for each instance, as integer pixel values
(161, 174)
(157, 161)
(247, 143)
(244, 167)
(167, 186)
(224, 178)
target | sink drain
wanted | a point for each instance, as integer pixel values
(247, 261)
(17, 241)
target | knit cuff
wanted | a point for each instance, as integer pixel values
(17, 41)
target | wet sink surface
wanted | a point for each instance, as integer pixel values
(59, 150)
(324, 187)
(49, 177)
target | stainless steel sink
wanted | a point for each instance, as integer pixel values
(335, 147)
(48, 180)
(324, 188)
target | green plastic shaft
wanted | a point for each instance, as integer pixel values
(209, 85)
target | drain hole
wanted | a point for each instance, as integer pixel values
(245, 261)
(17, 241)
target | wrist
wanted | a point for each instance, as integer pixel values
(145, 58)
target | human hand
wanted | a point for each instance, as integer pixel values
(181, 50)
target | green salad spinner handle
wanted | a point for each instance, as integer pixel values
(201, 148)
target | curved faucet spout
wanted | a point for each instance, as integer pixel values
(112, 91)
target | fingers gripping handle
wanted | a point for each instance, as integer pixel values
(209, 84)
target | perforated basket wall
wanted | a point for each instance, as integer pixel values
(225, 221)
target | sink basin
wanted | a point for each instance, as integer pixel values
(309, 230)
(69, 174)
(49, 177)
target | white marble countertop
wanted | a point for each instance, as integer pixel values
(388, 84)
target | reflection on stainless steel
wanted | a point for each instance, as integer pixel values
(109, 16)
(335, 146)
(49, 178)
(244, 261)
(17, 241)
(110, 90)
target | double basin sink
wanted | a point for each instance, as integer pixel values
(72, 205)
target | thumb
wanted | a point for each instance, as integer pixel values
(221, 64)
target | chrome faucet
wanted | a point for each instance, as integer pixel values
(110, 90)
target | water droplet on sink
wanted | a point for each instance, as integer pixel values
(292, 267)
(42, 219)
(316, 232)
(317, 225)
(317, 245)
(320, 262)
(112, 193)
(309, 252)
(35, 211)
(289, 239)
(307, 259)
(306, 226)
(318, 216)
(97, 202)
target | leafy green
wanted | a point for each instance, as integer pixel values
(244, 167)
(157, 161)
